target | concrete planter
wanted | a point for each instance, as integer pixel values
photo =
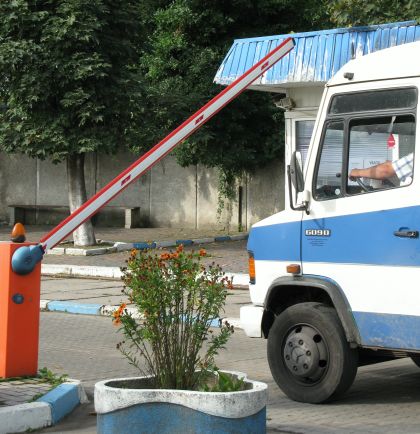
(127, 406)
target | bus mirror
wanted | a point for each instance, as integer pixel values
(296, 172)
(295, 177)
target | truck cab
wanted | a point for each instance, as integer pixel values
(334, 279)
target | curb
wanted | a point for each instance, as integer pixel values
(123, 247)
(239, 279)
(81, 271)
(108, 310)
(45, 411)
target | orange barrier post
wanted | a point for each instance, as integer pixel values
(19, 315)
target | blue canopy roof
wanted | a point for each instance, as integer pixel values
(316, 57)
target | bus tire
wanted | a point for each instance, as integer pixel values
(309, 356)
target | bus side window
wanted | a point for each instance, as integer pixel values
(328, 174)
(380, 145)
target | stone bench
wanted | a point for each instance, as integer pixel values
(17, 213)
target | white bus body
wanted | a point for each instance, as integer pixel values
(353, 293)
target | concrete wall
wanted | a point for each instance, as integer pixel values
(18, 182)
(168, 195)
(265, 192)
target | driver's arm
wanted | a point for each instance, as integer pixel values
(381, 171)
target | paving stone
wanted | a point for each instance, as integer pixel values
(384, 398)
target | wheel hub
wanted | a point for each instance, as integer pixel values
(305, 353)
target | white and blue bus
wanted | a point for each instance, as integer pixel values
(335, 278)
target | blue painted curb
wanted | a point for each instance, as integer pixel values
(45, 411)
(72, 307)
(94, 309)
(143, 246)
(217, 322)
(62, 400)
(184, 242)
(224, 238)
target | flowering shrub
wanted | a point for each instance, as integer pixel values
(178, 300)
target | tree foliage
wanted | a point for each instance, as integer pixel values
(189, 40)
(360, 12)
(67, 75)
(95, 75)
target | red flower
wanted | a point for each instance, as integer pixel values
(117, 314)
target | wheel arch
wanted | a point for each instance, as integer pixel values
(289, 290)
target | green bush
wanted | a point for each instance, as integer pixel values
(178, 299)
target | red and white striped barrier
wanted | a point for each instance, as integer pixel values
(118, 184)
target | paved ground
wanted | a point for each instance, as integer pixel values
(107, 292)
(231, 255)
(82, 290)
(20, 391)
(35, 233)
(385, 398)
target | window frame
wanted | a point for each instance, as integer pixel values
(347, 156)
(327, 122)
(294, 133)
(346, 118)
(371, 91)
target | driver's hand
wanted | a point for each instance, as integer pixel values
(352, 175)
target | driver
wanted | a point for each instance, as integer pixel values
(402, 168)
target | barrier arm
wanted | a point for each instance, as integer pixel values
(118, 184)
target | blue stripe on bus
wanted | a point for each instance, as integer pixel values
(280, 242)
(364, 238)
(388, 330)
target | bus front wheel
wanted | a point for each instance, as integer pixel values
(309, 356)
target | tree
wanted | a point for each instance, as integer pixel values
(360, 12)
(189, 41)
(69, 82)
(83, 76)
